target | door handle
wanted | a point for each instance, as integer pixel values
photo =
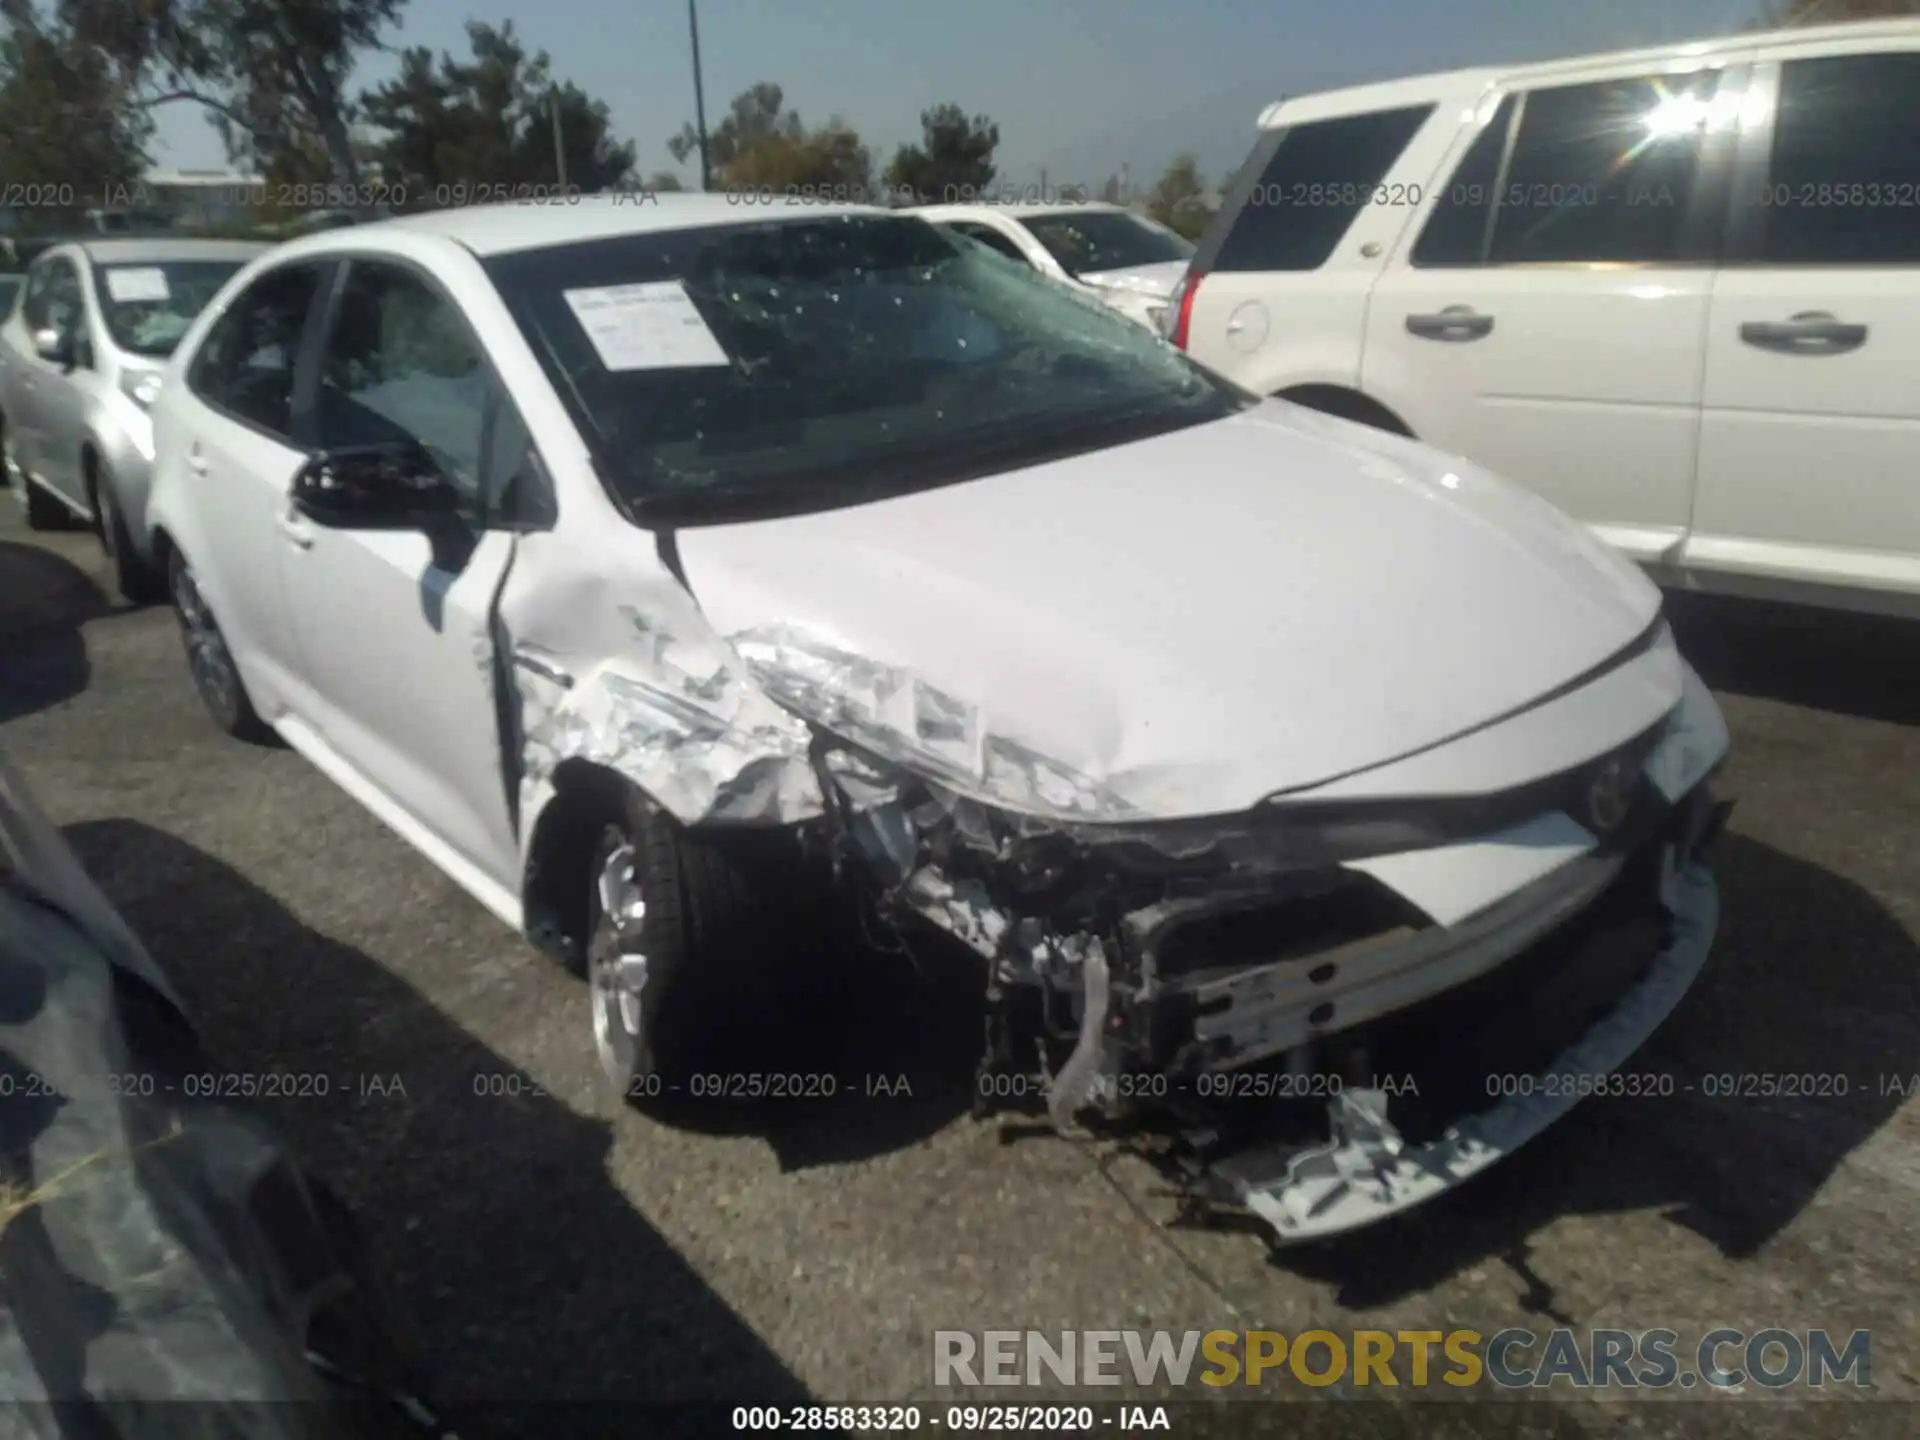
(297, 531)
(1453, 324)
(1811, 332)
(197, 459)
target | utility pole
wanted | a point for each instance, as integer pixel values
(699, 96)
(559, 150)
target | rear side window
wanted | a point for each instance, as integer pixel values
(1316, 178)
(1841, 190)
(245, 364)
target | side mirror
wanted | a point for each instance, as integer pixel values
(55, 346)
(375, 487)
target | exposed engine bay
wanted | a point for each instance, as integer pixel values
(1294, 1036)
(1319, 1010)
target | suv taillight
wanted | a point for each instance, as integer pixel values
(1182, 300)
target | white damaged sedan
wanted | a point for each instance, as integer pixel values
(1322, 802)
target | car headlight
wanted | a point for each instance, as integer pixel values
(143, 388)
(901, 718)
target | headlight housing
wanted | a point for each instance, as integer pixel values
(901, 718)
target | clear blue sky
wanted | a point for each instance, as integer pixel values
(1077, 86)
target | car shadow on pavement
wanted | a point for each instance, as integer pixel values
(1834, 660)
(1811, 981)
(861, 1047)
(44, 600)
(540, 1301)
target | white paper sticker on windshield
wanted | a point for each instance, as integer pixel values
(136, 287)
(646, 327)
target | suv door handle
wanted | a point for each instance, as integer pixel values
(1811, 332)
(297, 531)
(1453, 324)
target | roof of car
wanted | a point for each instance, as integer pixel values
(1415, 89)
(160, 248)
(1020, 211)
(534, 225)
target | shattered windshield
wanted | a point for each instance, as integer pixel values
(148, 307)
(806, 364)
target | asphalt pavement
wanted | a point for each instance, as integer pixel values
(552, 1245)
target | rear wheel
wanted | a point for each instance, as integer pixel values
(679, 933)
(215, 675)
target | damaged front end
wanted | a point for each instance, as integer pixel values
(1325, 1013)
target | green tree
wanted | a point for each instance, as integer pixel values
(762, 141)
(953, 161)
(1178, 197)
(271, 74)
(664, 181)
(466, 127)
(71, 140)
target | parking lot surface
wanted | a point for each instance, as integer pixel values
(553, 1245)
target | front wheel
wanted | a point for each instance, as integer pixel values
(678, 939)
(215, 676)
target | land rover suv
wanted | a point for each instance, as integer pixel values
(1676, 292)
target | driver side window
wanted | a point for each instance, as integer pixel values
(400, 365)
(52, 300)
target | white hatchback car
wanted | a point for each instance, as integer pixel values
(1128, 260)
(1675, 291)
(643, 563)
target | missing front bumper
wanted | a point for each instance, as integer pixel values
(1366, 1172)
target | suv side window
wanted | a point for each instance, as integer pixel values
(1840, 189)
(245, 364)
(1457, 231)
(1314, 180)
(53, 296)
(989, 237)
(400, 364)
(1603, 171)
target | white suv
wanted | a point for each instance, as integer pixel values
(1676, 292)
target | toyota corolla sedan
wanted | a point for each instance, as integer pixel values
(1317, 798)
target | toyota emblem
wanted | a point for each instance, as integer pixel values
(1610, 796)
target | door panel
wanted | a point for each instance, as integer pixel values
(395, 629)
(1549, 318)
(39, 387)
(1810, 442)
(232, 442)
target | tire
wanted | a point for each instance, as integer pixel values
(133, 576)
(210, 662)
(696, 920)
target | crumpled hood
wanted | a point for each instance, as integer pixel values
(1202, 619)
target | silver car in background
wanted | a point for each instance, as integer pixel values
(80, 360)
